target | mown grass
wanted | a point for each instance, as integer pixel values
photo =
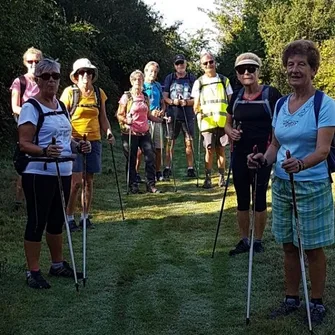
(152, 273)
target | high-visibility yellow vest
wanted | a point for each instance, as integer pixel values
(214, 103)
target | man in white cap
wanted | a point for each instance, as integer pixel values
(211, 93)
(86, 104)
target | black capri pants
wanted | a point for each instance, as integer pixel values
(243, 178)
(44, 205)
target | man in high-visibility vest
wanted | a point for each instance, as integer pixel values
(211, 93)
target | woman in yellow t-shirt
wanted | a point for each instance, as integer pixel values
(86, 104)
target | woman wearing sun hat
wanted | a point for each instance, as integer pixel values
(251, 108)
(86, 104)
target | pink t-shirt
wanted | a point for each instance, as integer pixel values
(139, 113)
(31, 88)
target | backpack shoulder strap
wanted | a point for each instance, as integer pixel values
(265, 98)
(75, 99)
(280, 103)
(23, 86)
(40, 117)
(238, 98)
(62, 105)
(97, 94)
(130, 101)
(318, 97)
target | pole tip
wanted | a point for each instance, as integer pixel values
(84, 282)
(77, 287)
(247, 321)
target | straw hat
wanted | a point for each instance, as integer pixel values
(83, 63)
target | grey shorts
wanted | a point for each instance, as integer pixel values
(157, 135)
(93, 160)
(214, 138)
(173, 129)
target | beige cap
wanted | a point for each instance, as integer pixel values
(246, 62)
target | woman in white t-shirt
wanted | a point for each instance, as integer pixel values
(39, 179)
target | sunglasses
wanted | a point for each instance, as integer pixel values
(47, 76)
(210, 62)
(33, 61)
(82, 72)
(179, 62)
(249, 68)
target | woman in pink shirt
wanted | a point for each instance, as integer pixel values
(23, 88)
(133, 115)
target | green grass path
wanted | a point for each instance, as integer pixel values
(151, 274)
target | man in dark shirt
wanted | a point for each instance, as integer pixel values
(177, 96)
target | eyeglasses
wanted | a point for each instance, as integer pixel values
(33, 61)
(83, 71)
(47, 76)
(210, 62)
(179, 62)
(250, 68)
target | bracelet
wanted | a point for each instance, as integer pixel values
(301, 165)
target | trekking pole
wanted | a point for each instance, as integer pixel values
(61, 191)
(191, 139)
(129, 154)
(252, 227)
(161, 143)
(84, 212)
(116, 179)
(301, 250)
(225, 193)
(172, 154)
(198, 158)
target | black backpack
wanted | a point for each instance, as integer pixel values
(21, 159)
(76, 97)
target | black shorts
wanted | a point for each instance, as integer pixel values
(172, 129)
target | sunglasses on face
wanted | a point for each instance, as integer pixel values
(179, 62)
(33, 61)
(210, 62)
(82, 72)
(249, 68)
(47, 76)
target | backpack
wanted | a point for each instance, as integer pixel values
(20, 159)
(76, 97)
(264, 101)
(318, 97)
(23, 86)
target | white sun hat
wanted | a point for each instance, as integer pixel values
(83, 63)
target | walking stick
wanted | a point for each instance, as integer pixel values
(301, 250)
(172, 154)
(198, 158)
(61, 191)
(117, 180)
(225, 191)
(129, 154)
(251, 250)
(84, 212)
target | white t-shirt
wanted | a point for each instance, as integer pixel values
(58, 126)
(209, 80)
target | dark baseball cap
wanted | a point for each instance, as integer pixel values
(179, 58)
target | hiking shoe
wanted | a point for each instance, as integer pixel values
(258, 247)
(222, 182)
(159, 176)
(191, 173)
(64, 271)
(73, 226)
(152, 189)
(167, 174)
(240, 248)
(318, 312)
(287, 307)
(207, 183)
(36, 280)
(133, 189)
(89, 224)
(138, 178)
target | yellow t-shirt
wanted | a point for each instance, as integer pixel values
(85, 120)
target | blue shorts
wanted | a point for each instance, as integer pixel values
(93, 160)
(315, 213)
